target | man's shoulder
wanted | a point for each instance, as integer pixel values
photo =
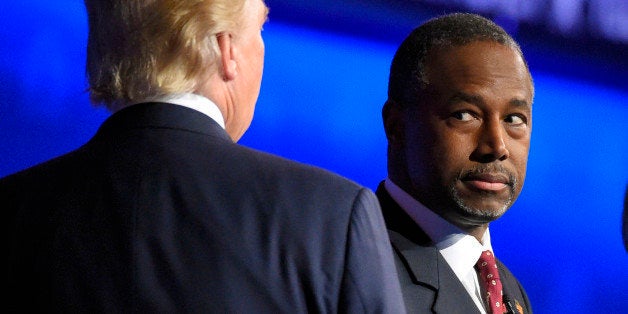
(38, 185)
(39, 173)
(281, 168)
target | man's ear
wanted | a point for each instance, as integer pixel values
(393, 118)
(227, 56)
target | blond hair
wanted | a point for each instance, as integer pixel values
(139, 49)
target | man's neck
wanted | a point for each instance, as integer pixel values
(475, 231)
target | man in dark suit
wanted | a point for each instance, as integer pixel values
(458, 120)
(162, 212)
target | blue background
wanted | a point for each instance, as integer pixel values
(324, 83)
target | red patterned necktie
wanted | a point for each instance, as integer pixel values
(489, 278)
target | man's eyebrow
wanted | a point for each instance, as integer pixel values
(464, 97)
(520, 103)
(477, 99)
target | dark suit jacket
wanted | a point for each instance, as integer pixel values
(162, 212)
(428, 284)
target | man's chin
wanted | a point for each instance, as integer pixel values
(482, 206)
(483, 211)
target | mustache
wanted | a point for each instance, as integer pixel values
(489, 172)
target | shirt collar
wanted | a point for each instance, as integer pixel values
(460, 250)
(193, 101)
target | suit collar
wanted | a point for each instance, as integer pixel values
(423, 262)
(428, 268)
(164, 116)
(193, 101)
(398, 220)
(409, 241)
(420, 260)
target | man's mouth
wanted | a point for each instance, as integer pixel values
(487, 181)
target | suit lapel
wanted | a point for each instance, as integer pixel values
(512, 291)
(422, 261)
(427, 268)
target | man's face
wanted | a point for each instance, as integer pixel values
(249, 52)
(467, 142)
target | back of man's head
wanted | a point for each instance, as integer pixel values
(147, 48)
(407, 72)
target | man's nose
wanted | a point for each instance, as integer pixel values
(491, 144)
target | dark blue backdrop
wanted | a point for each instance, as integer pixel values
(320, 103)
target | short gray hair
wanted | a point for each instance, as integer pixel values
(407, 71)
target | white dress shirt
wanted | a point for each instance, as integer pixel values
(193, 101)
(460, 250)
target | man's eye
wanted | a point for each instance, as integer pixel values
(515, 119)
(462, 116)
